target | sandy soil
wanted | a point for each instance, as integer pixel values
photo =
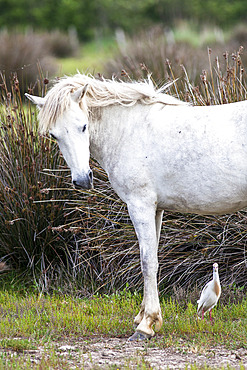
(103, 353)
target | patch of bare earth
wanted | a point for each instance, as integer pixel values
(119, 352)
(103, 353)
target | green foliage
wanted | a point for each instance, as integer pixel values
(220, 12)
(89, 16)
(91, 58)
(54, 316)
(17, 344)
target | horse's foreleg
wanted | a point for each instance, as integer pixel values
(147, 226)
(158, 223)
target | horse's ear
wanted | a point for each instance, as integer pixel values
(79, 93)
(36, 100)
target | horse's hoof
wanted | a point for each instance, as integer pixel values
(138, 336)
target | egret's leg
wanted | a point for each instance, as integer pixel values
(210, 315)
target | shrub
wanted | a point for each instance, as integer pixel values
(27, 213)
(239, 35)
(25, 54)
(59, 236)
(150, 51)
(108, 253)
(220, 68)
(62, 44)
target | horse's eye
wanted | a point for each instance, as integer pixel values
(53, 136)
(84, 128)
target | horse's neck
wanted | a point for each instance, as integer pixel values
(104, 128)
(108, 128)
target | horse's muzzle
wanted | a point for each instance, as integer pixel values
(84, 182)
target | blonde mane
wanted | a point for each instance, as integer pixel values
(100, 93)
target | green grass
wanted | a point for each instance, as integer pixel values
(30, 322)
(53, 316)
(197, 36)
(91, 58)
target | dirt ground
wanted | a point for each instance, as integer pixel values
(102, 353)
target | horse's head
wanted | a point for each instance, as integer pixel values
(70, 129)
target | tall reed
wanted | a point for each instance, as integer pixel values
(26, 235)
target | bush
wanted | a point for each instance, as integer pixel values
(151, 52)
(27, 211)
(61, 44)
(58, 236)
(197, 70)
(25, 55)
(239, 35)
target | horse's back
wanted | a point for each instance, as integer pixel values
(192, 159)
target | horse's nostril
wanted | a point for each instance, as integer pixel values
(76, 184)
(90, 175)
(85, 182)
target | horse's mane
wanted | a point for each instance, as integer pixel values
(100, 93)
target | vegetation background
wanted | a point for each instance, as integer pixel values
(100, 16)
(63, 239)
(69, 260)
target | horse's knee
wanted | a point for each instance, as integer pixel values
(149, 268)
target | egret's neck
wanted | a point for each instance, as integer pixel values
(216, 276)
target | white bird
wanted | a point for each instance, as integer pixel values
(210, 294)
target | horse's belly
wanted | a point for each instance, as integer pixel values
(203, 198)
(210, 208)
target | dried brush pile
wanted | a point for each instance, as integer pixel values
(107, 249)
(84, 241)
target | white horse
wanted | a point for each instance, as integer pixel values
(158, 152)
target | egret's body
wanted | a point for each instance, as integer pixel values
(210, 294)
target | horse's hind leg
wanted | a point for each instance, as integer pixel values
(158, 223)
(145, 221)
